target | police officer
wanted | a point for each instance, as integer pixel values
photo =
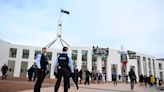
(41, 62)
(62, 67)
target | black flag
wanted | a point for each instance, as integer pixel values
(64, 11)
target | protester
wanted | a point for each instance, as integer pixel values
(141, 78)
(132, 76)
(80, 75)
(99, 76)
(152, 80)
(126, 77)
(4, 70)
(87, 76)
(145, 78)
(30, 73)
(119, 78)
(114, 75)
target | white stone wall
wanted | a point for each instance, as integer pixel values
(113, 58)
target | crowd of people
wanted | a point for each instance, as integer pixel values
(63, 67)
(149, 80)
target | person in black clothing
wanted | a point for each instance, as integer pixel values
(80, 75)
(87, 76)
(119, 78)
(4, 69)
(99, 76)
(114, 77)
(141, 78)
(74, 77)
(62, 67)
(30, 72)
(132, 76)
(126, 77)
(42, 64)
(145, 79)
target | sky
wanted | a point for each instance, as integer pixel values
(137, 25)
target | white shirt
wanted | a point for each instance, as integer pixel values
(38, 58)
(70, 64)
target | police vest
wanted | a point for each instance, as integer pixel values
(63, 60)
(43, 62)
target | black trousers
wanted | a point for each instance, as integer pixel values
(63, 72)
(87, 80)
(41, 75)
(4, 75)
(75, 80)
(114, 81)
(132, 83)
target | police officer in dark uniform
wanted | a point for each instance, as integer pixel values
(41, 62)
(62, 67)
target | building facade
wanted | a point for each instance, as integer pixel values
(20, 58)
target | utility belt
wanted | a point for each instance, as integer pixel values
(63, 67)
(42, 71)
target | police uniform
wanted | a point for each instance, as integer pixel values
(41, 62)
(62, 67)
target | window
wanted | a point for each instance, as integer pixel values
(144, 58)
(25, 53)
(49, 55)
(13, 52)
(74, 56)
(36, 53)
(84, 58)
(160, 66)
(84, 55)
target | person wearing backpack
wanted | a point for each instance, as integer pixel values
(62, 67)
(132, 76)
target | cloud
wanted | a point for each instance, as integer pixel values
(137, 24)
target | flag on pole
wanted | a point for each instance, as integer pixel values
(64, 11)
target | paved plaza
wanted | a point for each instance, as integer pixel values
(107, 87)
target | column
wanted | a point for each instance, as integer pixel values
(108, 69)
(18, 62)
(79, 59)
(17, 68)
(99, 63)
(141, 67)
(147, 68)
(89, 60)
(151, 67)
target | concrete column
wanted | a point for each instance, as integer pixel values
(17, 68)
(79, 59)
(147, 68)
(89, 61)
(99, 63)
(151, 67)
(18, 62)
(108, 69)
(141, 67)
